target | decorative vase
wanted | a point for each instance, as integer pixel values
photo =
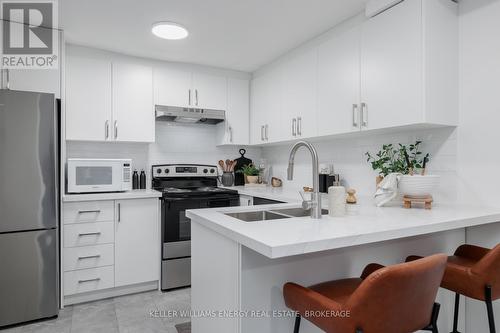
(227, 178)
(253, 179)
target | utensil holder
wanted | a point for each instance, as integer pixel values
(227, 178)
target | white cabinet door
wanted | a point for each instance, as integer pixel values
(339, 83)
(133, 109)
(257, 99)
(300, 95)
(88, 99)
(209, 92)
(236, 129)
(137, 242)
(237, 115)
(391, 67)
(172, 87)
(266, 108)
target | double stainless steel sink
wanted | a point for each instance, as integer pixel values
(272, 214)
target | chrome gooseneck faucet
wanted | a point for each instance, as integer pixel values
(315, 203)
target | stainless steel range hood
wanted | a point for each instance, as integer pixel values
(189, 115)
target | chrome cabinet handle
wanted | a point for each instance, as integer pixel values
(97, 211)
(266, 132)
(355, 115)
(294, 127)
(189, 97)
(89, 257)
(89, 280)
(106, 129)
(230, 134)
(262, 133)
(196, 96)
(364, 114)
(96, 233)
(116, 129)
(299, 126)
(119, 212)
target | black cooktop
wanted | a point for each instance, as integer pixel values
(193, 192)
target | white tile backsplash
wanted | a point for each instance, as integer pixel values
(348, 157)
(175, 143)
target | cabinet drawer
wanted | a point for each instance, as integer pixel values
(88, 211)
(83, 234)
(88, 257)
(89, 280)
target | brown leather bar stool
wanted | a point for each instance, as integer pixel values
(474, 272)
(394, 299)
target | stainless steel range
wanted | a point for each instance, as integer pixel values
(184, 186)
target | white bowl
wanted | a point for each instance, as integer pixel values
(418, 185)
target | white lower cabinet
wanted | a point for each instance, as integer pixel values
(89, 257)
(86, 280)
(109, 244)
(136, 242)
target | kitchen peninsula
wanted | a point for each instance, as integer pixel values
(241, 266)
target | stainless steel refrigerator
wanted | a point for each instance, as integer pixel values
(29, 258)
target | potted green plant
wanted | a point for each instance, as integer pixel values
(402, 159)
(251, 173)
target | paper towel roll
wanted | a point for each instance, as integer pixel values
(336, 201)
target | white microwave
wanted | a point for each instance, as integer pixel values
(85, 175)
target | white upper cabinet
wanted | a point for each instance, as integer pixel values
(339, 83)
(398, 68)
(88, 99)
(409, 65)
(137, 244)
(266, 105)
(391, 67)
(300, 95)
(209, 91)
(133, 109)
(235, 130)
(108, 102)
(172, 87)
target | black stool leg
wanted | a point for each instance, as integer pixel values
(297, 324)
(489, 308)
(433, 327)
(455, 314)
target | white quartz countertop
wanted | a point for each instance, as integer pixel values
(301, 235)
(134, 194)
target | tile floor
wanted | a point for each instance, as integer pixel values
(125, 314)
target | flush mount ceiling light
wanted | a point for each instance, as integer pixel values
(169, 30)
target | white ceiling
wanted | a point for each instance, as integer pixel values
(235, 34)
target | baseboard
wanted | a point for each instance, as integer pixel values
(110, 292)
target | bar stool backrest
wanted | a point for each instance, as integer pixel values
(398, 298)
(488, 267)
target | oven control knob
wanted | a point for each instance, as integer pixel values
(167, 170)
(158, 170)
(205, 170)
(212, 170)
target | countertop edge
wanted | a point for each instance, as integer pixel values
(301, 248)
(134, 194)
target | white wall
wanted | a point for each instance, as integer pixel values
(478, 135)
